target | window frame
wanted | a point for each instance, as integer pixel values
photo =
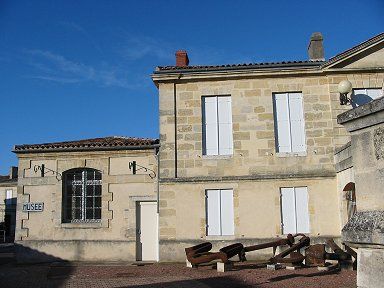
(283, 232)
(84, 183)
(9, 201)
(353, 102)
(221, 218)
(218, 127)
(276, 128)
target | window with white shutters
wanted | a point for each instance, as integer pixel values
(217, 125)
(220, 215)
(294, 210)
(9, 200)
(362, 95)
(289, 122)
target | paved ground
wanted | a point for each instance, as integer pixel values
(166, 275)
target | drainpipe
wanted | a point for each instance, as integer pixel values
(175, 116)
(157, 154)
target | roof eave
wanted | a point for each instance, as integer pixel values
(84, 149)
(271, 67)
(352, 52)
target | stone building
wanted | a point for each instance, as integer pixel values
(247, 150)
(8, 194)
(81, 201)
(246, 153)
(365, 228)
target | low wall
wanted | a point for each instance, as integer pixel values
(31, 251)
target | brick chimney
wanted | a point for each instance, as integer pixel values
(13, 172)
(315, 47)
(182, 59)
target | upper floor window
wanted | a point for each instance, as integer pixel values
(217, 125)
(361, 96)
(81, 195)
(289, 122)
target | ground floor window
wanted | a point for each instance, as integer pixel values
(220, 216)
(81, 195)
(294, 210)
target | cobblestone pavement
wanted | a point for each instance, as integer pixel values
(167, 275)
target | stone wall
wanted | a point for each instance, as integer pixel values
(114, 237)
(253, 125)
(257, 213)
(255, 170)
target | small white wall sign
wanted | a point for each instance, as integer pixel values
(33, 207)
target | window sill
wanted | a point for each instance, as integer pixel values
(217, 157)
(224, 237)
(81, 225)
(291, 154)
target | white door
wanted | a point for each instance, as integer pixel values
(147, 231)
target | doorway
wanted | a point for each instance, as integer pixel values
(146, 231)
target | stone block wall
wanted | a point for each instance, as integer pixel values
(257, 213)
(45, 233)
(253, 125)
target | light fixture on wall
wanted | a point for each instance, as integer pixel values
(44, 170)
(344, 88)
(136, 167)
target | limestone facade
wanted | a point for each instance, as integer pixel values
(8, 194)
(255, 170)
(42, 236)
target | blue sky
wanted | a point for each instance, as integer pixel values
(80, 69)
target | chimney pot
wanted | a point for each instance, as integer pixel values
(315, 47)
(182, 59)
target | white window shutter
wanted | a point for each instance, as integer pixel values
(227, 214)
(225, 125)
(374, 93)
(9, 194)
(282, 122)
(213, 212)
(210, 126)
(297, 122)
(288, 210)
(302, 215)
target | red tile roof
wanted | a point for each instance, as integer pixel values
(4, 179)
(106, 143)
(264, 65)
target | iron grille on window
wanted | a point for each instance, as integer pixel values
(82, 196)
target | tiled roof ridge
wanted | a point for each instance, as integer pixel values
(100, 142)
(354, 49)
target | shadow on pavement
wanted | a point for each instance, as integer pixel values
(26, 267)
(290, 276)
(214, 282)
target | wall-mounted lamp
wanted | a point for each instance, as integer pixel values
(44, 170)
(344, 88)
(134, 167)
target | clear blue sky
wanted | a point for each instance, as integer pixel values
(79, 69)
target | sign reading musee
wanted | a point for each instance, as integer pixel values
(33, 207)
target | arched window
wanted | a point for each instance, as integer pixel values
(350, 197)
(81, 195)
